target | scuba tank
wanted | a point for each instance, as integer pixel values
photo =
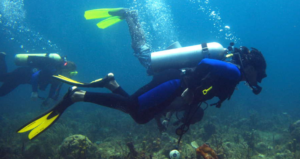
(38, 60)
(184, 57)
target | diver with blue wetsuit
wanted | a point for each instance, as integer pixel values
(38, 73)
(202, 81)
(210, 78)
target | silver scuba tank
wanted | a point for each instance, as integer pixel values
(30, 59)
(185, 57)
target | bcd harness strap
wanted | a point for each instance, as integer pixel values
(205, 50)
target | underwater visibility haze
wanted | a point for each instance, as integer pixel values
(247, 126)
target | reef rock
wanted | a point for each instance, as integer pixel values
(77, 146)
(295, 130)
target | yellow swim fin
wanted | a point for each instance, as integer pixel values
(108, 22)
(99, 13)
(96, 83)
(44, 121)
(113, 15)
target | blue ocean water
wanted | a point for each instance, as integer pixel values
(272, 26)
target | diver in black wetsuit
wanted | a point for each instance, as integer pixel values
(39, 75)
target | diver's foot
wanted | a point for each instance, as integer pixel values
(123, 13)
(75, 95)
(67, 99)
(108, 82)
(112, 84)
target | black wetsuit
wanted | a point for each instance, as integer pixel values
(39, 79)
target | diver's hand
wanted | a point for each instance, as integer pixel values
(165, 123)
(47, 102)
(34, 96)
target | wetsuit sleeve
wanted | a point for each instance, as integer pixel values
(34, 81)
(214, 69)
(220, 69)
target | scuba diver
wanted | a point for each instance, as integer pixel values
(205, 76)
(36, 70)
(210, 78)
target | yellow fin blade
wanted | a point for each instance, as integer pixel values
(99, 13)
(97, 80)
(67, 80)
(108, 22)
(34, 124)
(42, 127)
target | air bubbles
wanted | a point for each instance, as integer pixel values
(160, 19)
(12, 22)
(221, 30)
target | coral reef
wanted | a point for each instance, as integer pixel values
(206, 152)
(247, 135)
(77, 146)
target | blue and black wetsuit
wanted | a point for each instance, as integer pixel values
(25, 75)
(154, 98)
(148, 101)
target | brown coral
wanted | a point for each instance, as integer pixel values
(206, 152)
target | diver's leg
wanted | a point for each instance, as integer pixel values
(12, 80)
(3, 67)
(7, 87)
(110, 100)
(114, 86)
(120, 91)
(138, 39)
(111, 83)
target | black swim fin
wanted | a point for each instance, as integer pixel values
(44, 121)
(101, 82)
